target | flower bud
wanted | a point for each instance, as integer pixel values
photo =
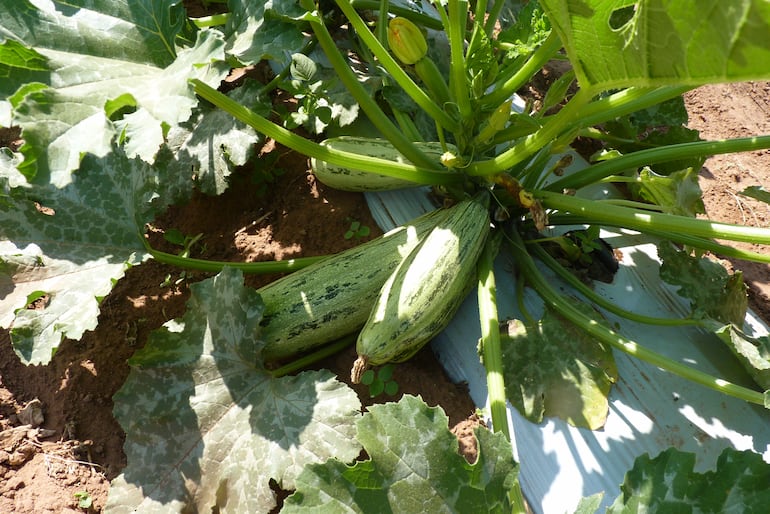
(451, 160)
(406, 41)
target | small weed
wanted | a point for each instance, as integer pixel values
(356, 230)
(266, 172)
(380, 382)
(84, 500)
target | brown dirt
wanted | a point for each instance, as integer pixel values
(730, 111)
(78, 446)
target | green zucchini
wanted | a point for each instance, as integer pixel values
(425, 291)
(347, 179)
(333, 297)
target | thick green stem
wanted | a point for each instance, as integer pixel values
(320, 354)
(530, 145)
(490, 336)
(458, 83)
(304, 146)
(599, 300)
(661, 154)
(256, 268)
(685, 239)
(554, 299)
(634, 219)
(627, 101)
(394, 69)
(535, 63)
(365, 101)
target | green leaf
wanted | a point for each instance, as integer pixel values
(213, 142)
(207, 427)
(712, 291)
(258, 31)
(677, 193)
(668, 483)
(96, 52)
(74, 243)
(757, 193)
(753, 353)
(589, 504)
(649, 43)
(414, 467)
(555, 369)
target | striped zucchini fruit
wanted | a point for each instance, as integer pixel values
(333, 297)
(425, 291)
(347, 179)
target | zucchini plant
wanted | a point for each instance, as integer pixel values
(441, 116)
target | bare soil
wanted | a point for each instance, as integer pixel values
(75, 445)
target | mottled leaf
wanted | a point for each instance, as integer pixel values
(668, 483)
(259, 31)
(90, 53)
(213, 142)
(414, 466)
(713, 292)
(73, 243)
(553, 368)
(207, 427)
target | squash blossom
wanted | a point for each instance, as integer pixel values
(406, 41)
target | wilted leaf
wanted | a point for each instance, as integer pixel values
(713, 292)
(753, 353)
(555, 369)
(677, 193)
(207, 427)
(667, 483)
(414, 466)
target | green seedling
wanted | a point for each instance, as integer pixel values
(380, 382)
(356, 230)
(84, 500)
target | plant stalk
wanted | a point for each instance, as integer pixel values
(304, 146)
(606, 335)
(634, 219)
(530, 145)
(254, 268)
(311, 358)
(655, 155)
(535, 63)
(366, 102)
(490, 336)
(394, 69)
(458, 83)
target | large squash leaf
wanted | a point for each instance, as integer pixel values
(552, 368)
(65, 248)
(257, 31)
(647, 43)
(414, 466)
(207, 427)
(668, 483)
(82, 55)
